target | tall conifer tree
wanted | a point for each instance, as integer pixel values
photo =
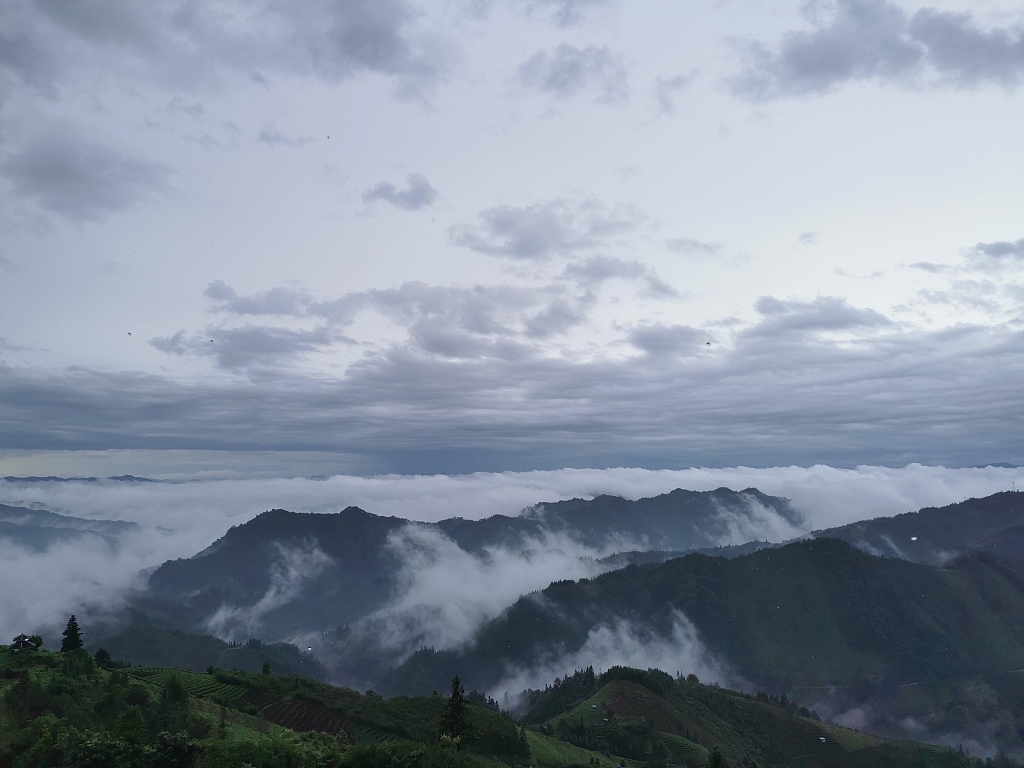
(72, 636)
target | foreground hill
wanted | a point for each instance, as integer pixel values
(62, 711)
(651, 716)
(816, 619)
(338, 568)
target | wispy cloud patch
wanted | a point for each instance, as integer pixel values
(275, 138)
(568, 71)
(418, 193)
(539, 231)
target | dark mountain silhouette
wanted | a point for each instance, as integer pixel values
(935, 534)
(343, 569)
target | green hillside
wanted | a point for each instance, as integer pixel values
(814, 613)
(804, 619)
(651, 717)
(60, 710)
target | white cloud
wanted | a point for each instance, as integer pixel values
(295, 567)
(618, 642)
(182, 519)
(444, 594)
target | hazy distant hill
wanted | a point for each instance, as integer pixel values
(39, 529)
(935, 534)
(339, 566)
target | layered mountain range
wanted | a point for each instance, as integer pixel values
(911, 626)
(340, 568)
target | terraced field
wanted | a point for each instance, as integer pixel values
(198, 684)
(302, 716)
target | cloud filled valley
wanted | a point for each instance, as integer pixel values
(442, 593)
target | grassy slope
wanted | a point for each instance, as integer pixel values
(266, 720)
(690, 719)
(238, 717)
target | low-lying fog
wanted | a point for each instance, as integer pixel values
(182, 518)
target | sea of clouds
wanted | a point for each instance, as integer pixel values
(179, 519)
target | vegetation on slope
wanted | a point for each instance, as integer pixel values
(65, 710)
(653, 717)
(805, 619)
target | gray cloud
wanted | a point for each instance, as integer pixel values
(558, 317)
(668, 340)
(565, 12)
(193, 109)
(24, 58)
(276, 301)
(568, 71)
(690, 246)
(183, 44)
(784, 390)
(274, 138)
(450, 321)
(826, 313)
(667, 88)
(876, 40)
(80, 179)
(418, 193)
(256, 349)
(1001, 249)
(595, 270)
(542, 230)
(966, 55)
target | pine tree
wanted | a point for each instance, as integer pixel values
(453, 719)
(72, 636)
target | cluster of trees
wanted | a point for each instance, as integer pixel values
(71, 710)
(456, 729)
(562, 695)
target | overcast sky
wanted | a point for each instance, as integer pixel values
(371, 236)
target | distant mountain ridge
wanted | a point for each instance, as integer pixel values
(38, 528)
(57, 479)
(357, 568)
(934, 535)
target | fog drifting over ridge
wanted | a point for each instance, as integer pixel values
(181, 519)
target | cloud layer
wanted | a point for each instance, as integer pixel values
(877, 40)
(180, 519)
